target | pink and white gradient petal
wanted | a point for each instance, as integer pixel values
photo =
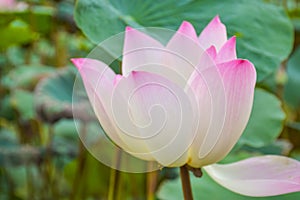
(239, 78)
(258, 176)
(99, 81)
(225, 96)
(144, 53)
(213, 34)
(227, 52)
(184, 51)
(140, 51)
(152, 110)
(206, 87)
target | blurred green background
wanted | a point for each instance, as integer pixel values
(41, 156)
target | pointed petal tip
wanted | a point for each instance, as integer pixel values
(213, 34)
(133, 72)
(212, 51)
(233, 38)
(128, 28)
(244, 61)
(246, 64)
(78, 62)
(185, 25)
(217, 19)
(117, 78)
(241, 61)
(188, 30)
(137, 74)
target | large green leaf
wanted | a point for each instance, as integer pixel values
(22, 102)
(206, 188)
(265, 34)
(54, 96)
(291, 90)
(25, 76)
(266, 120)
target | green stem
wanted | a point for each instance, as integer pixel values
(113, 184)
(30, 188)
(114, 178)
(151, 184)
(80, 165)
(186, 183)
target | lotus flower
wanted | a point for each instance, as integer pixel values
(9, 5)
(186, 102)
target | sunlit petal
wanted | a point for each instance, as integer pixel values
(258, 176)
(151, 109)
(213, 34)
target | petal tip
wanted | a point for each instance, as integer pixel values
(133, 72)
(233, 38)
(78, 62)
(187, 29)
(213, 34)
(117, 79)
(185, 25)
(212, 51)
(243, 61)
(217, 19)
(128, 28)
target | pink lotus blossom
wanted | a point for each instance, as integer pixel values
(187, 102)
(9, 5)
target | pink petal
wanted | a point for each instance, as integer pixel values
(98, 80)
(140, 51)
(213, 34)
(152, 110)
(227, 52)
(187, 30)
(184, 51)
(258, 176)
(206, 86)
(212, 52)
(228, 95)
(239, 77)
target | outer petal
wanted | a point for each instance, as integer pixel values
(213, 34)
(175, 62)
(99, 81)
(258, 176)
(184, 51)
(227, 52)
(140, 51)
(239, 78)
(161, 113)
(206, 86)
(230, 113)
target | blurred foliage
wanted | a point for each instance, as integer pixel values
(255, 23)
(41, 156)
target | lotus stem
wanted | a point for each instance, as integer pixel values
(186, 183)
(152, 178)
(114, 178)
